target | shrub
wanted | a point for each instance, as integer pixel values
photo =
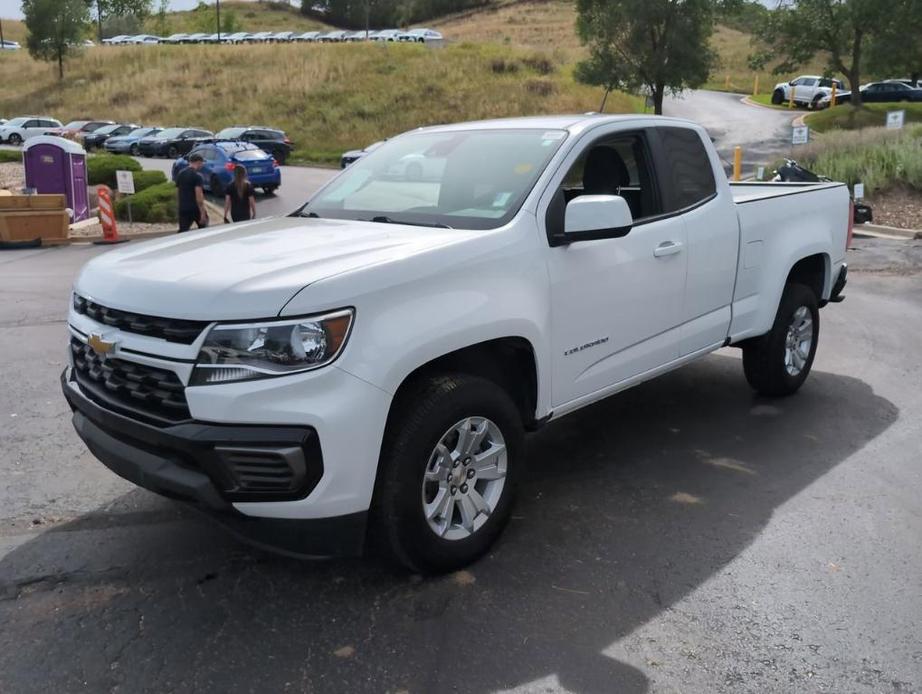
(101, 168)
(9, 156)
(146, 179)
(156, 203)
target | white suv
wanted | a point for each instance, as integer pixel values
(18, 130)
(807, 90)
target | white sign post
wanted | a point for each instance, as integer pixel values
(125, 182)
(800, 135)
(760, 173)
(859, 191)
(895, 119)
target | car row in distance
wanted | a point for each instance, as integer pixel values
(888, 91)
(9, 46)
(222, 157)
(420, 35)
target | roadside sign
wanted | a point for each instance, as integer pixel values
(760, 172)
(895, 119)
(801, 135)
(125, 182)
(859, 191)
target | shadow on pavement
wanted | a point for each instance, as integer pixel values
(628, 506)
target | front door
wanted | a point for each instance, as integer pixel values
(616, 303)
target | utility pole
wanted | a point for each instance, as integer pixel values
(1, 32)
(218, 10)
(99, 21)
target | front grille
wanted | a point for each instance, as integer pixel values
(129, 387)
(169, 329)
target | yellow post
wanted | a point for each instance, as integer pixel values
(737, 163)
(791, 100)
(727, 82)
(832, 98)
(755, 86)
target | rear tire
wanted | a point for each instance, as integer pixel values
(440, 500)
(815, 104)
(172, 152)
(777, 97)
(778, 363)
(15, 139)
(134, 151)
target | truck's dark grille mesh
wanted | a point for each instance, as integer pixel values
(127, 386)
(170, 329)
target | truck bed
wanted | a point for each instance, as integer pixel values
(780, 223)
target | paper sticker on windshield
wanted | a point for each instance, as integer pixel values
(524, 168)
(501, 199)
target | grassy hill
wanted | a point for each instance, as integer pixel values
(514, 57)
(327, 97)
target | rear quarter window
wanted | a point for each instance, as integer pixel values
(688, 178)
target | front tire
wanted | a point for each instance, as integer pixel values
(134, 151)
(778, 363)
(172, 152)
(777, 97)
(449, 466)
(15, 139)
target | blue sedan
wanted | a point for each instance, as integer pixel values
(128, 144)
(222, 157)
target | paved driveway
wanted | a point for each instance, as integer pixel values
(684, 536)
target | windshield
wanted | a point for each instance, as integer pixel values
(17, 121)
(141, 132)
(169, 133)
(473, 179)
(106, 129)
(230, 133)
(249, 155)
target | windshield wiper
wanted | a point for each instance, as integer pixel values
(382, 219)
(313, 215)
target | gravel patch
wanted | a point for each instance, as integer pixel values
(12, 177)
(898, 207)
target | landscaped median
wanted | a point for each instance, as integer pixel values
(844, 117)
(887, 162)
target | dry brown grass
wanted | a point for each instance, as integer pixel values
(327, 97)
(253, 16)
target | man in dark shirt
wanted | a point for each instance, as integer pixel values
(191, 194)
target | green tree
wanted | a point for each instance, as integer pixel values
(160, 21)
(56, 28)
(841, 29)
(134, 11)
(658, 46)
(204, 19)
(896, 50)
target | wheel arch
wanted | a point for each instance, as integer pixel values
(812, 271)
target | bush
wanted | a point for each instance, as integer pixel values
(9, 156)
(145, 179)
(101, 168)
(156, 203)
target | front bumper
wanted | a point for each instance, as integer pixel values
(207, 465)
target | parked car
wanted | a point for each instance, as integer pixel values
(238, 37)
(309, 36)
(421, 35)
(9, 46)
(98, 137)
(18, 130)
(419, 330)
(222, 157)
(198, 37)
(355, 35)
(116, 40)
(175, 38)
(808, 90)
(78, 128)
(144, 39)
(281, 37)
(332, 36)
(260, 37)
(387, 35)
(270, 140)
(128, 143)
(879, 92)
(354, 155)
(172, 142)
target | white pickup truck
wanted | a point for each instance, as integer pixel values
(364, 370)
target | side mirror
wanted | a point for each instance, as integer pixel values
(591, 217)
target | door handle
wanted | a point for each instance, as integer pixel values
(667, 248)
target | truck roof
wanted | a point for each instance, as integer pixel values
(573, 122)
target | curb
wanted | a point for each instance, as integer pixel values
(879, 231)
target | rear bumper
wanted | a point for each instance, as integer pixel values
(194, 462)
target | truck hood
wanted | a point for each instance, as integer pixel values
(246, 271)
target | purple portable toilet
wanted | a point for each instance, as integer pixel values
(56, 165)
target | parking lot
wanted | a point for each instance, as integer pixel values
(683, 536)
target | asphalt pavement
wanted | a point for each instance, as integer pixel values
(684, 536)
(764, 133)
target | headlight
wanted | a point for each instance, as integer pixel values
(246, 351)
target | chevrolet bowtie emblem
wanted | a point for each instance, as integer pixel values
(100, 346)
